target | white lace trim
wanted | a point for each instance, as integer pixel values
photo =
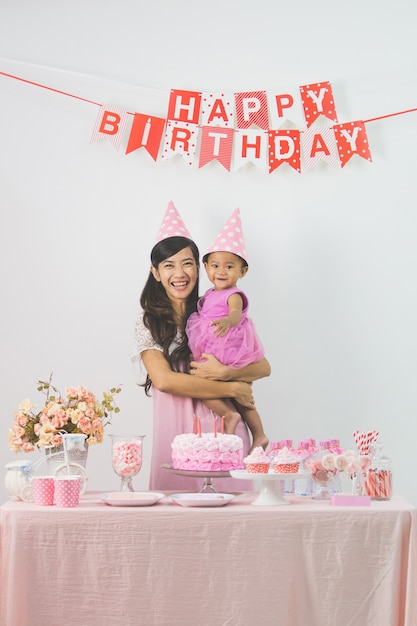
(143, 340)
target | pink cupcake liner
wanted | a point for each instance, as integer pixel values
(257, 468)
(286, 468)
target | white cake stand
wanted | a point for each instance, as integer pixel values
(207, 477)
(271, 491)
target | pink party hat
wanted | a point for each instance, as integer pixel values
(172, 225)
(230, 238)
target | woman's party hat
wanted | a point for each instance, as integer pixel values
(172, 225)
(230, 238)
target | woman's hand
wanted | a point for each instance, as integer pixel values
(209, 368)
(245, 395)
(212, 369)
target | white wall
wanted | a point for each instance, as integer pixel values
(332, 253)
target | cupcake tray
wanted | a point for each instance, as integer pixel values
(271, 485)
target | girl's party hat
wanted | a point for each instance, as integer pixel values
(172, 225)
(230, 238)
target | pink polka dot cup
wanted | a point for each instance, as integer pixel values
(43, 490)
(67, 491)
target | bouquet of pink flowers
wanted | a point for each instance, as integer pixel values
(79, 412)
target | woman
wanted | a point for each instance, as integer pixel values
(170, 295)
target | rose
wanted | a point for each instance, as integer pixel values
(25, 406)
(59, 414)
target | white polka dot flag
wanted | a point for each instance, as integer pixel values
(230, 238)
(180, 138)
(218, 109)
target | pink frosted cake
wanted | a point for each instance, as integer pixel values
(207, 453)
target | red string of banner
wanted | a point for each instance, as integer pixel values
(64, 93)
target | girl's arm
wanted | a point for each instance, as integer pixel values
(235, 305)
(180, 384)
(212, 369)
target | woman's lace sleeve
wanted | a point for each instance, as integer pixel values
(142, 341)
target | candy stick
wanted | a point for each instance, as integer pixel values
(382, 492)
(389, 476)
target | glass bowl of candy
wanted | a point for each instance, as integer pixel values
(127, 458)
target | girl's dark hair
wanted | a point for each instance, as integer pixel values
(158, 313)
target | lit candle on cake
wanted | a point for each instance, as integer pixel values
(199, 427)
(215, 427)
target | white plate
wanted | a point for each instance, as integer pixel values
(202, 499)
(134, 498)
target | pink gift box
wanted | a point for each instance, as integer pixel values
(342, 499)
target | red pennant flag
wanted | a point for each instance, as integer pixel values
(318, 100)
(216, 144)
(146, 132)
(184, 106)
(351, 139)
(252, 108)
(284, 147)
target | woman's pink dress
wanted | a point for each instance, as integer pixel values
(239, 346)
(173, 415)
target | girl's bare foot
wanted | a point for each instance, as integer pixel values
(261, 441)
(231, 420)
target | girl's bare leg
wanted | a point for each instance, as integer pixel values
(231, 417)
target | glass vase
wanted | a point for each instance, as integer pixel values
(127, 458)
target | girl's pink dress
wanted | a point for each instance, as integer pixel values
(239, 347)
(173, 415)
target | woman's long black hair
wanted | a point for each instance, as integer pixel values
(158, 313)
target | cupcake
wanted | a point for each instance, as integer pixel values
(286, 462)
(257, 462)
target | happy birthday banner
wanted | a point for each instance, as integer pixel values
(239, 128)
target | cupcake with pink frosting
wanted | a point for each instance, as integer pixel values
(257, 462)
(286, 461)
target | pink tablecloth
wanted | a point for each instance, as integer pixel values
(305, 564)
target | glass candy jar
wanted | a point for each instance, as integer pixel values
(127, 458)
(378, 479)
(324, 472)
